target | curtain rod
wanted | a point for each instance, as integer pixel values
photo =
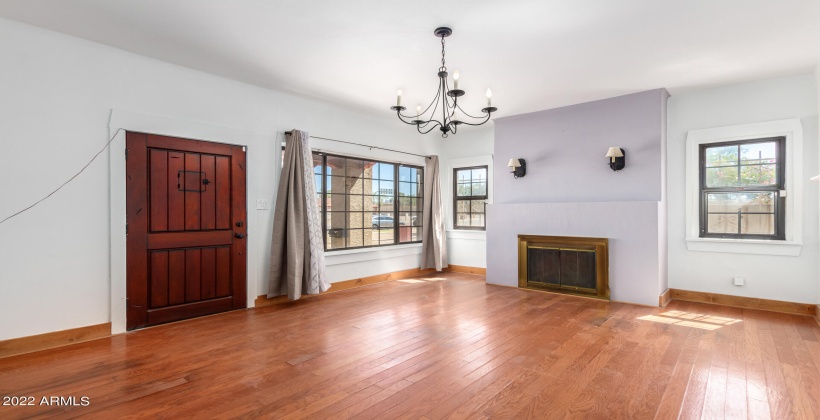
(363, 145)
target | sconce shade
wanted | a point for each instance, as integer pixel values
(519, 167)
(614, 152)
(617, 158)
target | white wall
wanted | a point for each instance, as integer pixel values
(470, 147)
(57, 94)
(793, 279)
(817, 183)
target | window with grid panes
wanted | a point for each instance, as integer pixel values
(469, 197)
(741, 183)
(367, 203)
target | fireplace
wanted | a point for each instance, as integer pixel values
(564, 264)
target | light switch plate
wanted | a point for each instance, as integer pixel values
(262, 204)
(739, 281)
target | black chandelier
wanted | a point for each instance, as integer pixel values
(445, 99)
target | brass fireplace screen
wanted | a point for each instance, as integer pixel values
(564, 264)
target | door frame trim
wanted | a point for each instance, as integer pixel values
(121, 121)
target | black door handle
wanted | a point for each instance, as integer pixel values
(240, 235)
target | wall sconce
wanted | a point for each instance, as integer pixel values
(617, 158)
(519, 167)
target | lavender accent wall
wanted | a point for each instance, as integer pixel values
(565, 147)
(631, 227)
(569, 189)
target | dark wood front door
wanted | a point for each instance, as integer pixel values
(186, 225)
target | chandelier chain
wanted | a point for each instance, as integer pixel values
(443, 67)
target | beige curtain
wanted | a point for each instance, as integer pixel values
(433, 241)
(297, 251)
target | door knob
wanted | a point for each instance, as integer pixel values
(240, 235)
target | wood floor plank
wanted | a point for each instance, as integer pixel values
(440, 346)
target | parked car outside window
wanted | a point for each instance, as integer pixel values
(381, 222)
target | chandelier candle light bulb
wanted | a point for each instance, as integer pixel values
(489, 97)
(455, 80)
(398, 98)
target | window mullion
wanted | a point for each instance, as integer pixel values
(324, 200)
(396, 224)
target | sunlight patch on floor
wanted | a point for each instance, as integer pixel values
(686, 319)
(424, 280)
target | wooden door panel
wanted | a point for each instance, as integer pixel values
(222, 188)
(187, 224)
(193, 181)
(189, 239)
(223, 272)
(239, 264)
(176, 277)
(188, 275)
(207, 288)
(176, 198)
(208, 196)
(158, 288)
(158, 173)
(193, 274)
(194, 146)
(188, 310)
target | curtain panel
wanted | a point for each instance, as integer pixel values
(297, 250)
(433, 240)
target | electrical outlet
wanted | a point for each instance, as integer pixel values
(262, 204)
(739, 281)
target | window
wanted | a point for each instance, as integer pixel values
(368, 203)
(469, 197)
(740, 189)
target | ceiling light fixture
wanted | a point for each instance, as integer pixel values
(446, 100)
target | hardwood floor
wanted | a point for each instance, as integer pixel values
(441, 346)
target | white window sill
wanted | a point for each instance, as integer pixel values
(744, 246)
(346, 256)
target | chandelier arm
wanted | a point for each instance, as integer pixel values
(432, 114)
(471, 116)
(447, 101)
(435, 107)
(437, 124)
(438, 92)
(402, 119)
(485, 120)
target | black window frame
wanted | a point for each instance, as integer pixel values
(396, 202)
(457, 198)
(776, 189)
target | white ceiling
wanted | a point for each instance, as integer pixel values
(535, 54)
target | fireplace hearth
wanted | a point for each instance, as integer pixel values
(564, 264)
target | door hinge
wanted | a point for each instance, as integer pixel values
(126, 229)
(126, 154)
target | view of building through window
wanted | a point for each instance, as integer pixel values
(740, 189)
(368, 203)
(469, 197)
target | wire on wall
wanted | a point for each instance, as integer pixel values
(65, 183)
